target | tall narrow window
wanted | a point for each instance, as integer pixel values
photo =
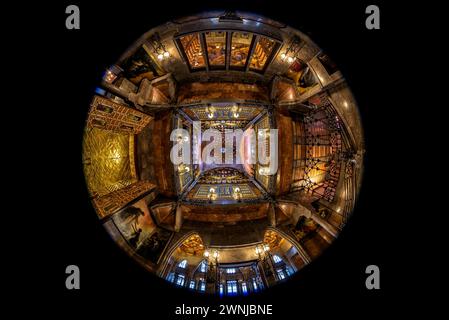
(191, 45)
(203, 267)
(232, 287)
(171, 277)
(281, 274)
(240, 44)
(202, 285)
(183, 264)
(262, 52)
(180, 280)
(216, 48)
(192, 284)
(221, 289)
(276, 259)
(255, 285)
(230, 270)
(244, 288)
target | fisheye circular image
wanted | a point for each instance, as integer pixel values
(223, 152)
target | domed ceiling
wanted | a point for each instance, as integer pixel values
(223, 152)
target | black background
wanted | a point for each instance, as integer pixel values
(69, 64)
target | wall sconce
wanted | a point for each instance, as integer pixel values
(237, 194)
(290, 53)
(210, 112)
(111, 73)
(158, 47)
(212, 195)
(235, 110)
(109, 76)
(216, 254)
(206, 254)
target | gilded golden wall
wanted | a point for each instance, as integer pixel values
(107, 160)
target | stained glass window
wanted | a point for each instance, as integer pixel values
(232, 287)
(171, 277)
(202, 285)
(262, 53)
(240, 44)
(216, 48)
(223, 49)
(192, 48)
(254, 284)
(180, 280)
(244, 288)
(281, 274)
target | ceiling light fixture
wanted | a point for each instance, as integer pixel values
(292, 50)
(109, 76)
(158, 47)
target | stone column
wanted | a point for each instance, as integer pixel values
(272, 215)
(178, 218)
